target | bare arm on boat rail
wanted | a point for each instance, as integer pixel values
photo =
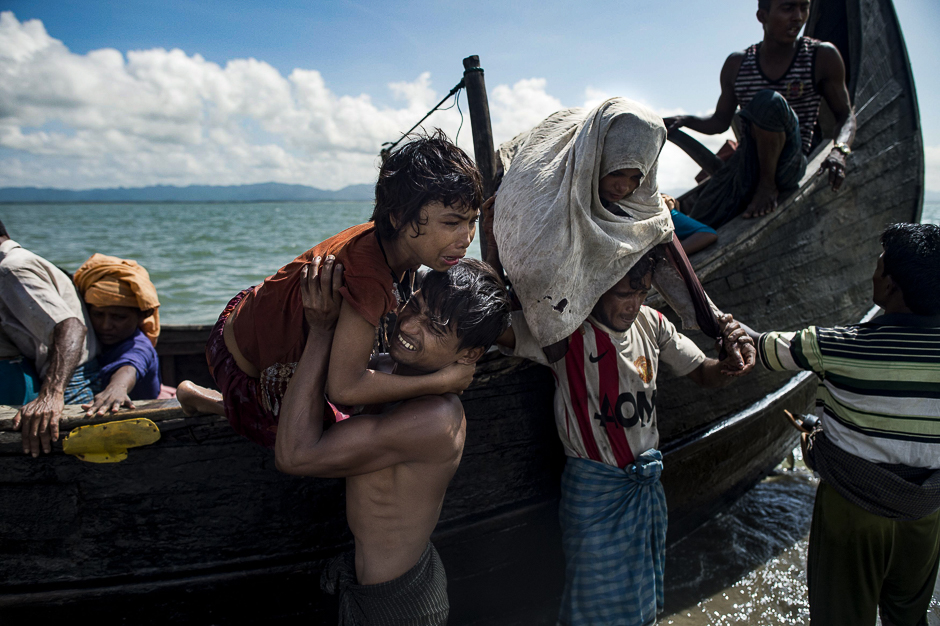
(39, 419)
(830, 76)
(413, 431)
(116, 394)
(719, 121)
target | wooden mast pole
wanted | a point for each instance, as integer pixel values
(481, 128)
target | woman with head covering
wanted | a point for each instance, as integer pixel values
(577, 207)
(562, 243)
(124, 311)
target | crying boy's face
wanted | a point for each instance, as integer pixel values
(442, 235)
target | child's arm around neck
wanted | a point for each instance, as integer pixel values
(350, 382)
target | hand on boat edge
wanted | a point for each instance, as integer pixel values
(674, 123)
(38, 422)
(108, 401)
(836, 167)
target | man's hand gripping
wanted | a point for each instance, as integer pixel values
(320, 286)
(835, 166)
(39, 421)
(738, 345)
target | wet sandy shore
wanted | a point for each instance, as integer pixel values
(747, 566)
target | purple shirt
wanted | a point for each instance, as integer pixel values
(139, 352)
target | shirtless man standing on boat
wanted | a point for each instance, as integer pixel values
(778, 84)
(397, 464)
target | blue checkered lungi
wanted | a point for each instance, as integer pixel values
(84, 384)
(613, 524)
(727, 192)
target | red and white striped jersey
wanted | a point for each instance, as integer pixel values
(605, 386)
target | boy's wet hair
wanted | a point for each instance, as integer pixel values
(471, 298)
(429, 168)
(912, 260)
(645, 265)
(3, 230)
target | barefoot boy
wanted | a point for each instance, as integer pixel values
(397, 464)
(427, 200)
(613, 508)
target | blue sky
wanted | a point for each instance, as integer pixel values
(238, 126)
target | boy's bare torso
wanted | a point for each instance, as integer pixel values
(393, 511)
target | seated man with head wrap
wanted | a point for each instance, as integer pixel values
(124, 311)
(579, 222)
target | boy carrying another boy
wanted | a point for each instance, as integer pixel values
(397, 463)
(427, 201)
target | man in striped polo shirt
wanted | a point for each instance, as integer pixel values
(778, 84)
(613, 510)
(875, 536)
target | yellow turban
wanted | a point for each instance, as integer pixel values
(110, 281)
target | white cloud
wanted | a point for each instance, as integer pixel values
(520, 107)
(106, 119)
(164, 117)
(158, 116)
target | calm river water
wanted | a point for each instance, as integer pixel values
(746, 566)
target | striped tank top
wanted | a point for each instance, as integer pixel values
(797, 85)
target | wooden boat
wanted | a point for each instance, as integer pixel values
(200, 528)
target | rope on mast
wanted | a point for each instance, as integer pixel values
(388, 146)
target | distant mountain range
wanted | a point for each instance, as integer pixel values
(262, 192)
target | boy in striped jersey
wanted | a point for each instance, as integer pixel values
(613, 510)
(778, 84)
(875, 536)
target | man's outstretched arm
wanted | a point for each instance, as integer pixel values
(39, 419)
(831, 71)
(739, 360)
(719, 121)
(300, 426)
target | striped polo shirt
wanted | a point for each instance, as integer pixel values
(879, 384)
(797, 85)
(605, 386)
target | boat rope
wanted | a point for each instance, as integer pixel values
(388, 146)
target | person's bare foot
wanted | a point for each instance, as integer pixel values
(194, 399)
(763, 202)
